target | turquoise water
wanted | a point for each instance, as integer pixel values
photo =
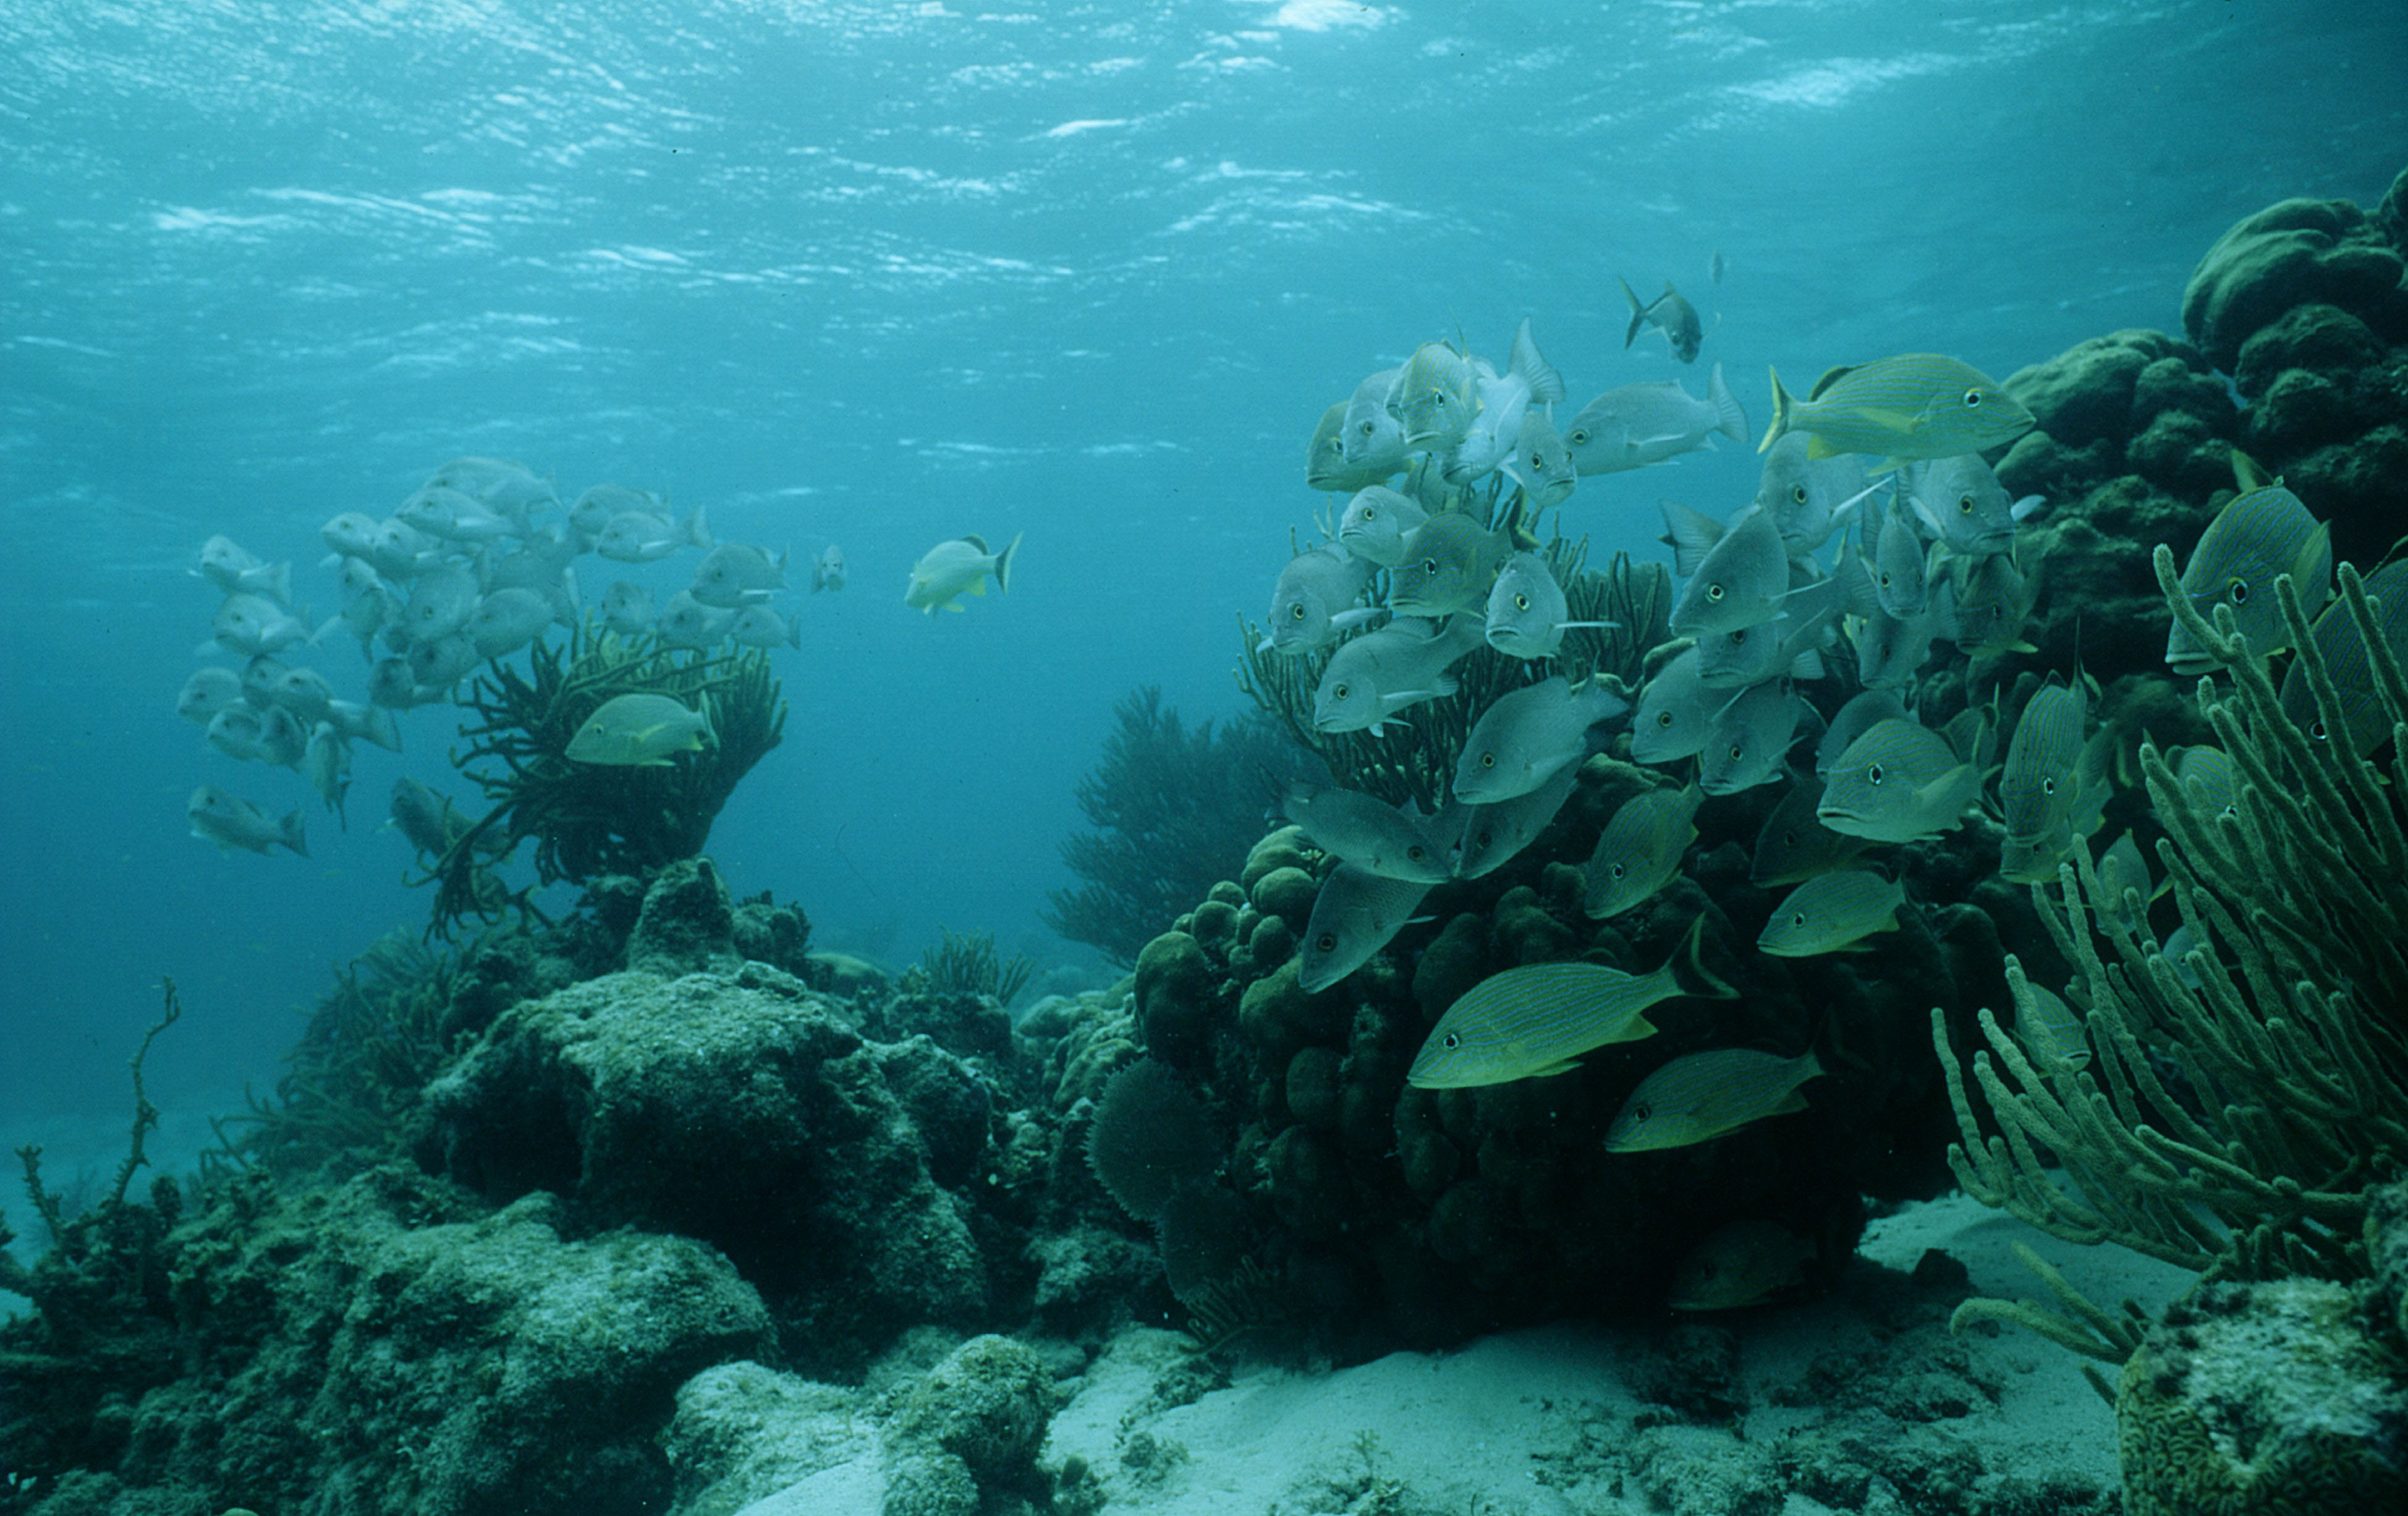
(880, 275)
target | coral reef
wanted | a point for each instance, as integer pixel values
(589, 820)
(1174, 809)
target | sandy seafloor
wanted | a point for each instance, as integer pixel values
(1572, 1417)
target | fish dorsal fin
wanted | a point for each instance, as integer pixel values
(1830, 376)
(1690, 534)
(1546, 384)
(980, 542)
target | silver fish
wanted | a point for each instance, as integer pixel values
(508, 620)
(442, 601)
(686, 622)
(393, 685)
(440, 511)
(430, 821)
(758, 626)
(1372, 678)
(642, 537)
(1750, 737)
(1889, 650)
(1994, 598)
(1675, 710)
(1436, 397)
(596, 509)
(1669, 313)
(304, 692)
(1960, 501)
(207, 692)
(1808, 497)
(441, 662)
(231, 822)
(1528, 736)
(1894, 552)
(736, 574)
(1376, 523)
(1527, 615)
(326, 763)
(225, 564)
(1640, 850)
(1369, 429)
(1637, 425)
(366, 723)
(627, 608)
(1316, 601)
(827, 570)
(1791, 644)
(350, 535)
(1742, 580)
(1500, 403)
(1325, 460)
(1494, 834)
(505, 486)
(401, 550)
(1541, 464)
(1355, 914)
(1367, 833)
(248, 624)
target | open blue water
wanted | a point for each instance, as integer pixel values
(883, 274)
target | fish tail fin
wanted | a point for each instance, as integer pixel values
(279, 583)
(1781, 407)
(697, 530)
(1546, 384)
(1730, 418)
(1003, 563)
(1638, 312)
(1717, 987)
(294, 835)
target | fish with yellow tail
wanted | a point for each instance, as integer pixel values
(1535, 1020)
(639, 731)
(952, 570)
(1916, 405)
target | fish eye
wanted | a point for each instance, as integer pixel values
(1538, 460)
(1296, 610)
(1579, 438)
(1617, 870)
(1798, 493)
(1873, 774)
(1485, 837)
(1416, 853)
(1798, 920)
(1642, 1111)
(1370, 513)
(2239, 591)
(2317, 729)
(1884, 579)
(1714, 592)
(1664, 718)
(1451, 1041)
(1338, 692)
(1738, 751)
(1521, 603)
(2048, 784)
(1429, 566)
(1972, 399)
(1488, 760)
(1965, 504)
(1326, 942)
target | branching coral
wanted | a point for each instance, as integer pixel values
(1418, 764)
(376, 1038)
(591, 819)
(1175, 811)
(2247, 1095)
(966, 963)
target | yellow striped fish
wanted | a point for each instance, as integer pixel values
(2253, 540)
(2049, 1029)
(2337, 637)
(1897, 783)
(1794, 847)
(1535, 1020)
(1832, 913)
(1640, 851)
(1916, 405)
(2053, 784)
(1702, 1096)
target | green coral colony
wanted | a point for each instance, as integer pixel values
(1599, 967)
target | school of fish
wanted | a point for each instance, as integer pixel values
(472, 567)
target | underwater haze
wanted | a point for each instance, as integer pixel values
(881, 275)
